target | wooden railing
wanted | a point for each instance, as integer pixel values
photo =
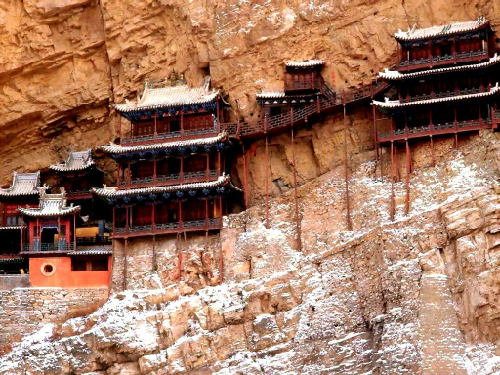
(94, 240)
(434, 129)
(166, 228)
(245, 129)
(170, 136)
(170, 179)
(61, 246)
(442, 60)
(301, 83)
(495, 118)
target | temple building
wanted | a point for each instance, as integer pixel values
(24, 192)
(171, 175)
(303, 85)
(50, 243)
(446, 83)
(78, 175)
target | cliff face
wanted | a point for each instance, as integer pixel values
(64, 62)
(414, 296)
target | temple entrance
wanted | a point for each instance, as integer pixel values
(48, 235)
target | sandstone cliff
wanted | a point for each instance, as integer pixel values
(414, 296)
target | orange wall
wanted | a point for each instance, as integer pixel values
(64, 277)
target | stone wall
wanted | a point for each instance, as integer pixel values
(9, 282)
(25, 310)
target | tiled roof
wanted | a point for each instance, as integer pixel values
(96, 250)
(270, 95)
(11, 260)
(395, 75)
(76, 161)
(304, 64)
(170, 97)
(16, 227)
(23, 184)
(443, 30)
(50, 205)
(117, 149)
(397, 103)
(113, 192)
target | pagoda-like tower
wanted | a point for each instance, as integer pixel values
(446, 83)
(303, 84)
(78, 174)
(24, 191)
(171, 166)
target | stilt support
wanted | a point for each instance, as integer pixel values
(432, 152)
(267, 182)
(392, 182)
(245, 175)
(408, 171)
(221, 261)
(297, 217)
(346, 166)
(125, 251)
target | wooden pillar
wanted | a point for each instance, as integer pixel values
(346, 167)
(267, 181)
(22, 231)
(432, 152)
(74, 231)
(154, 171)
(59, 229)
(206, 213)
(297, 215)
(375, 135)
(153, 225)
(114, 221)
(39, 232)
(455, 125)
(408, 171)
(155, 263)
(125, 251)
(180, 215)
(182, 124)
(181, 180)
(208, 167)
(245, 175)
(392, 182)
(119, 175)
(127, 209)
(154, 135)
(219, 163)
(129, 175)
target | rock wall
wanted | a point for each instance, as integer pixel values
(412, 296)
(26, 310)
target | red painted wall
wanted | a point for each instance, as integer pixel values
(63, 277)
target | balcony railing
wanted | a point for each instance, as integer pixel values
(170, 179)
(49, 247)
(302, 83)
(442, 60)
(165, 137)
(444, 94)
(94, 240)
(72, 193)
(435, 129)
(175, 227)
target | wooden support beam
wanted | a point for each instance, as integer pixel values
(408, 171)
(392, 182)
(120, 127)
(22, 231)
(74, 232)
(114, 221)
(346, 167)
(267, 182)
(245, 175)
(396, 163)
(432, 152)
(155, 264)
(375, 135)
(297, 215)
(125, 251)
(179, 257)
(221, 261)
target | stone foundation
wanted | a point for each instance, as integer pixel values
(25, 310)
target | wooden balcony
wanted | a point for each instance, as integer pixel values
(174, 136)
(432, 62)
(169, 228)
(434, 130)
(170, 179)
(60, 247)
(444, 94)
(302, 83)
(78, 194)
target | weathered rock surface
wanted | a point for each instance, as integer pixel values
(413, 296)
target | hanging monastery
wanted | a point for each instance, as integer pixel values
(175, 149)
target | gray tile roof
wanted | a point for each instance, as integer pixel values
(50, 205)
(22, 184)
(76, 161)
(442, 30)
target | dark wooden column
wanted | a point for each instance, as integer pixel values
(114, 221)
(154, 135)
(206, 213)
(182, 124)
(74, 231)
(180, 215)
(127, 222)
(208, 167)
(392, 181)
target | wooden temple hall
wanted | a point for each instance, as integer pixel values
(172, 164)
(445, 84)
